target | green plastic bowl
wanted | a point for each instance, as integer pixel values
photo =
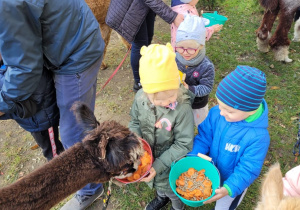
(215, 18)
(197, 163)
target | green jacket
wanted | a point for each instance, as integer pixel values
(173, 141)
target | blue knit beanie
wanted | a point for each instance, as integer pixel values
(243, 89)
(191, 28)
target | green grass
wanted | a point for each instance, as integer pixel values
(236, 45)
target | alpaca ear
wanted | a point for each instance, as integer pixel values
(102, 145)
(272, 189)
(84, 115)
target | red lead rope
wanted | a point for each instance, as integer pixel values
(113, 74)
(53, 145)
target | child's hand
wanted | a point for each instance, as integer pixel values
(220, 193)
(217, 27)
(179, 18)
(1, 113)
(185, 85)
(151, 175)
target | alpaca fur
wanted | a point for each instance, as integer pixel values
(100, 8)
(272, 197)
(279, 42)
(108, 150)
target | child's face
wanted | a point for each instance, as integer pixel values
(163, 98)
(231, 114)
(189, 44)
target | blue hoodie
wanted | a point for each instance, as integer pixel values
(238, 149)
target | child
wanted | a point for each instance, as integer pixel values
(161, 114)
(38, 114)
(188, 7)
(235, 134)
(191, 60)
(291, 184)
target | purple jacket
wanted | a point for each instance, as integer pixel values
(126, 16)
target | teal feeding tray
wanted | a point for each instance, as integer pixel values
(215, 18)
(197, 163)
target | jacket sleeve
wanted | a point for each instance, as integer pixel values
(203, 139)
(21, 49)
(291, 182)
(134, 124)
(183, 143)
(161, 9)
(249, 165)
(206, 81)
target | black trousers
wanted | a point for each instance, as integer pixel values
(43, 140)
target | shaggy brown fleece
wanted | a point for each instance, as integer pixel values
(108, 150)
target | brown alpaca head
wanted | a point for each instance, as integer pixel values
(272, 197)
(110, 144)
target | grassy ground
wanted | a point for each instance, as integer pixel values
(235, 45)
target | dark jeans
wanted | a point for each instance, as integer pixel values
(143, 37)
(297, 14)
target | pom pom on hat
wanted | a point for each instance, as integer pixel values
(192, 28)
(158, 69)
(243, 89)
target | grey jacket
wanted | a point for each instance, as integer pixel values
(173, 141)
(126, 16)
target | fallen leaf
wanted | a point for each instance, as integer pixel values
(272, 66)
(282, 125)
(34, 147)
(274, 88)
(292, 118)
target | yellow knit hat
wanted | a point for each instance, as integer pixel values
(158, 68)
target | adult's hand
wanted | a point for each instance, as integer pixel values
(220, 193)
(1, 113)
(179, 18)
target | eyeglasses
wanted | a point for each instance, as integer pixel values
(190, 51)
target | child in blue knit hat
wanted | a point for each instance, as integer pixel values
(235, 134)
(191, 60)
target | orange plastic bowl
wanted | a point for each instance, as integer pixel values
(147, 148)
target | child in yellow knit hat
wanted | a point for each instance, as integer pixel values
(162, 115)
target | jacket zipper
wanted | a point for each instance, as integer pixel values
(221, 137)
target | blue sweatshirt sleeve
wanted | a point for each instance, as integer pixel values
(249, 166)
(21, 49)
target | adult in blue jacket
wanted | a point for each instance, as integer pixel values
(63, 37)
(235, 134)
(43, 125)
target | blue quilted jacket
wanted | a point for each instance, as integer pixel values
(200, 79)
(43, 104)
(238, 149)
(63, 35)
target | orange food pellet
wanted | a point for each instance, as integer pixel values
(143, 167)
(194, 185)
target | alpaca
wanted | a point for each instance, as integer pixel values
(108, 150)
(272, 197)
(99, 8)
(279, 42)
